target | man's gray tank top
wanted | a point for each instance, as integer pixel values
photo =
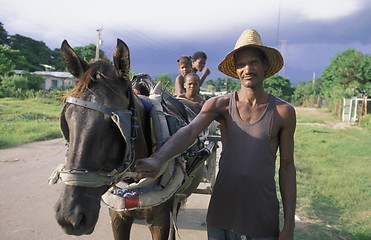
(244, 197)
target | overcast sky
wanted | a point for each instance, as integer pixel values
(159, 31)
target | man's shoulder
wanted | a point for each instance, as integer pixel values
(284, 108)
(279, 102)
(218, 105)
(220, 100)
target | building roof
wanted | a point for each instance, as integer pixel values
(46, 73)
(19, 71)
(54, 74)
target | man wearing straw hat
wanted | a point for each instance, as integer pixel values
(254, 125)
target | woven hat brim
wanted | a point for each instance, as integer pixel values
(273, 57)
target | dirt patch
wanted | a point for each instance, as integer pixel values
(323, 115)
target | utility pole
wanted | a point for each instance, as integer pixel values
(99, 42)
(283, 52)
(226, 83)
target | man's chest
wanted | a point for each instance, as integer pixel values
(250, 114)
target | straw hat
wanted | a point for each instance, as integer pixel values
(251, 38)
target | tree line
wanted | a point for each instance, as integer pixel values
(24, 53)
(347, 75)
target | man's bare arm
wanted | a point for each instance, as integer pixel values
(287, 172)
(179, 142)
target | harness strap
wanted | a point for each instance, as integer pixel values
(85, 178)
(91, 105)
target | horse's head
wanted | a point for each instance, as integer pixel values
(96, 145)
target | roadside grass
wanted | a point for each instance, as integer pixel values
(308, 119)
(333, 181)
(32, 119)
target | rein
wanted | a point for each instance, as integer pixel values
(127, 122)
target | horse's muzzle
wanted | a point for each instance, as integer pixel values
(77, 210)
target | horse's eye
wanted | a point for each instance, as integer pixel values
(97, 77)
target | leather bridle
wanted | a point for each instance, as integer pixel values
(127, 122)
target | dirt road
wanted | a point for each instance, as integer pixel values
(27, 201)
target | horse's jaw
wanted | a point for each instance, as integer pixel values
(77, 209)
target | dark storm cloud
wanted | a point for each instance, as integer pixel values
(311, 39)
(350, 29)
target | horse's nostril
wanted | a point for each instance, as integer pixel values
(80, 220)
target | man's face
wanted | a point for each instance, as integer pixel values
(192, 85)
(184, 69)
(199, 64)
(250, 67)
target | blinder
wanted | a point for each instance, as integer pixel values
(126, 121)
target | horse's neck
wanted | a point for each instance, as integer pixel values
(142, 143)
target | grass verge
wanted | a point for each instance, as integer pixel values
(32, 119)
(333, 174)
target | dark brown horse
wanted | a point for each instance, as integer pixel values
(99, 153)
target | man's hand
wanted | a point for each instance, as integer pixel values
(147, 167)
(287, 233)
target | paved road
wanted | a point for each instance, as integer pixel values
(27, 201)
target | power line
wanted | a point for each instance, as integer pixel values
(278, 22)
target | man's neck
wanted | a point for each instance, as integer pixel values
(252, 95)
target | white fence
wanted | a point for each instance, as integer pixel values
(352, 109)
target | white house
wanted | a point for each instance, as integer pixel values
(56, 79)
(53, 79)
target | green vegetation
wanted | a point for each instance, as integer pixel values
(222, 84)
(333, 174)
(279, 87)
(166, 81)
(88, 53)
(23, 121)
(24, 53)
(19, 86)
(347, 75)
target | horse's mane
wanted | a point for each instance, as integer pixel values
(103, 68)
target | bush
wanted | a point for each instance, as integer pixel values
(34, 81)
(21, 86)
(366, 122)
(11, 86)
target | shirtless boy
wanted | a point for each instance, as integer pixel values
(185, 67)
(192, 87)
(198, 64)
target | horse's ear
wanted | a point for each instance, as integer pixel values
(121, 59)
(76, 65)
